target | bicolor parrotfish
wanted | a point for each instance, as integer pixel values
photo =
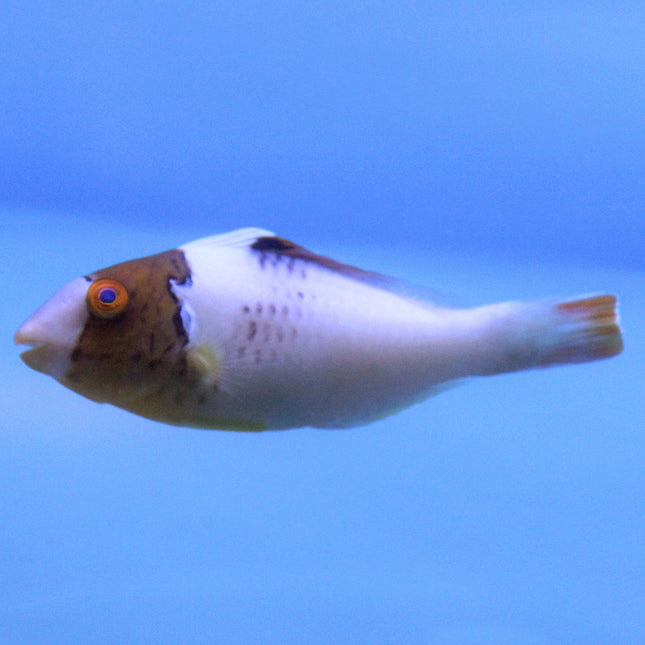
(249, 331)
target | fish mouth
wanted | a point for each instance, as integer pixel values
(52, 331)
(45, 357)
(32, 351)
(41, 354)
(24, 337)
(36, 350)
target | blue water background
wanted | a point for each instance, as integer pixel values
(487, 151)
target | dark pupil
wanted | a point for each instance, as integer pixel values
(107, 296)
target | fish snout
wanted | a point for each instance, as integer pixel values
(52, 331)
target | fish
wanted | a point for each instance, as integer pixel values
(249, 331)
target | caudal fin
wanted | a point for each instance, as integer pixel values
(584, 330)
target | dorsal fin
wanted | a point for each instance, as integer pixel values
(268, 244)
(283, 247)
(239, 238)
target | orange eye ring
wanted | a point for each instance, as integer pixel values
(107, 298)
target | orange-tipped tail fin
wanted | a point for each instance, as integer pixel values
(589, 331)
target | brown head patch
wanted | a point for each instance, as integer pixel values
(142, 348)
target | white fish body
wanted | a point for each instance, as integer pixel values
(267, 335)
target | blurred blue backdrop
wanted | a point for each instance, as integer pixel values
(492, 150)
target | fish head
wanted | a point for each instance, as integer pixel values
(116, 335)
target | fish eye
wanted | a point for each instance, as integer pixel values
(107, 298)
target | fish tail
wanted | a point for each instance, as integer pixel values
(524, 335)
(582, 330)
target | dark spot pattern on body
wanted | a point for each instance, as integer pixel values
(178, 322)
(281, 249)
(273, 243)
(170, 291)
